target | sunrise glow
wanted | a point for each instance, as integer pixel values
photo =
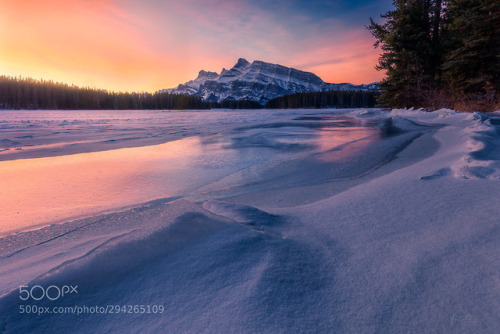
(150, 45)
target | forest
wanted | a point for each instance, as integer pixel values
(440, 53)
(27, 93)
(435, 54)
(327, 99)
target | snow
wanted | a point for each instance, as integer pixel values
(299, 221)
(257, 81)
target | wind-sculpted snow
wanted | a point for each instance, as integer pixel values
(474, 139)
(483, 158)
(310, 221)
(250, 261)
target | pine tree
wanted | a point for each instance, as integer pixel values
(472, 65)
(20, 93)
(409, 39)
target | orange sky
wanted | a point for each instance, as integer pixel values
(149, 45)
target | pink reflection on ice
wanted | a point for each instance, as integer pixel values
(332, 142)
(37, 191)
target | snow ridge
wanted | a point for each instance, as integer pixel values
(473, 140)
(482, 160)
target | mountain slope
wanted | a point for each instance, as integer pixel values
(257, 81)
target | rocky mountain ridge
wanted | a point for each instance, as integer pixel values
(257, 81)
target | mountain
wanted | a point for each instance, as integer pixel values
(257, 81)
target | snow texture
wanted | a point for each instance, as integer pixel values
(357, 221)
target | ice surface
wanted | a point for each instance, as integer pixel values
(53, 189)
(35, 133)
(313, 221)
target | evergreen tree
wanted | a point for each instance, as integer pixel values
(20, 93)
(472, 65)
(440, 53)
(409, 39)
(327, 99)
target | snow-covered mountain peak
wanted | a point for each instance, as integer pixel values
(257, 81)
(207, 75)
(242, 62)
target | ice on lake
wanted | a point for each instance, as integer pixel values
(50, 189)
(251, 221)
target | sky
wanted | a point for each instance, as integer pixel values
(147, 45)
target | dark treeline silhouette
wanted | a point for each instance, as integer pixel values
(26, 93)
(440, 53)
(328, 99)
(235, 104)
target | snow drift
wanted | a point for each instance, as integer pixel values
(403, 239)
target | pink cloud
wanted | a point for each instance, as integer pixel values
(129, 45)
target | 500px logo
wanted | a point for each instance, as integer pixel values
(53, 292)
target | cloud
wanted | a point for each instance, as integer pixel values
(149, 45)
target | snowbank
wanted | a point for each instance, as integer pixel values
(389, 232)
(475, 139)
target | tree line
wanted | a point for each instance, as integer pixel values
(27, 93)
(326, 99)
(440, 53)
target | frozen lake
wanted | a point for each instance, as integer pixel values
(204, 149)
(268, 221)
